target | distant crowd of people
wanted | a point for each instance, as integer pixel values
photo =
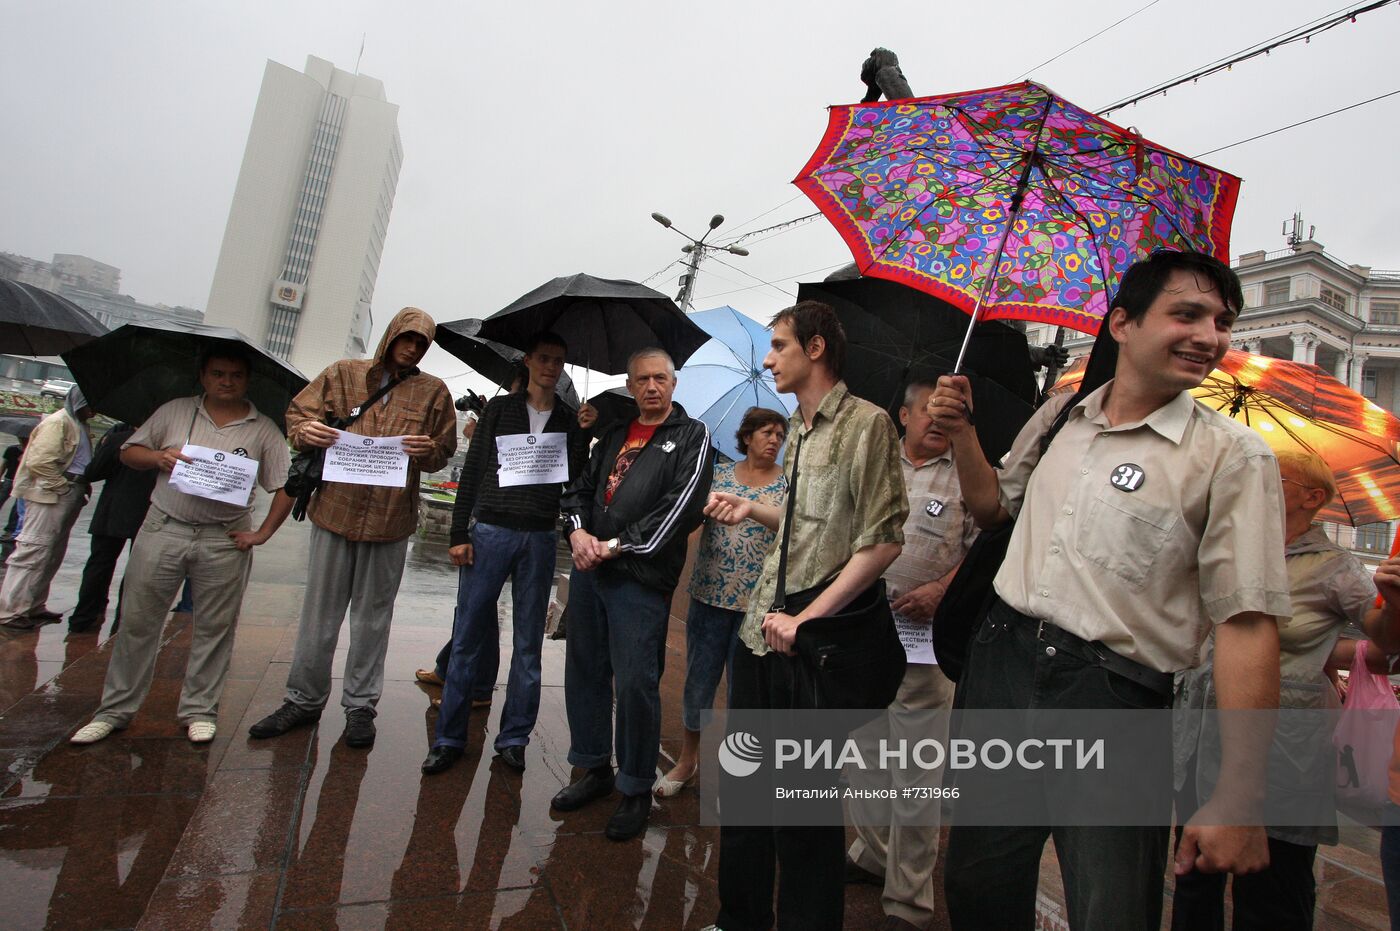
(1161, 555)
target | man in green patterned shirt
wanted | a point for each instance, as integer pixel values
(848, 520)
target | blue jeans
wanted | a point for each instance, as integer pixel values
(710, 636)
(526, 557)
(617, 631)
(1390, 860)
(488, 664)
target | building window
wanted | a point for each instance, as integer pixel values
(1373, 538)
(1368, 382)
(1332, 298)
(1276, 291)
(1385, 313)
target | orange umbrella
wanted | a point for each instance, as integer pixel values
(1294, 405)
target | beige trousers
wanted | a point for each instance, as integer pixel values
(39, 551)
(905, 854)
(164, 553)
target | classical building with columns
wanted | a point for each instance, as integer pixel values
(1308, 306)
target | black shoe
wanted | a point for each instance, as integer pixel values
(630, 818)
(283, 720)
(513, 756)
(359, 727)
(855, 873)
(439, 760)
(595, 784)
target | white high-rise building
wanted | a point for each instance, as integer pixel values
(309, 216)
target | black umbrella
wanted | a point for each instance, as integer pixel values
(613, 405)
(35, 322)
(603, 321)
(895, 334)
(18, 427)
(495, 361)
(137, 367)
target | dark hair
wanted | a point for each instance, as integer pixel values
(1144, 280)
(231, 352)
(545, 338)
(521, 377)
(813, 318)
(755, 419)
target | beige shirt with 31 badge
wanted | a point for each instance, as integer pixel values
(1143, 535)
(937, 531)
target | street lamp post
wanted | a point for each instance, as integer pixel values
(697, 249)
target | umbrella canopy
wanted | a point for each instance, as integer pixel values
(613, 405)
(725, 377)
(35, 322)
(1011, 198)
(1294, 405)
(895, 335)
(18, 427)
(496, 361)
(603, 321)
(137, 367)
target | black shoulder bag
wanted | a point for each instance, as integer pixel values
(853, 659)
(969, 594)
(304, 476)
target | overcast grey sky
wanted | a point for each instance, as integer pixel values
(539, 136)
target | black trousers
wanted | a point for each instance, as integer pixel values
(1279, 898)
(97, 582)
(1112, 875)
(810, 860)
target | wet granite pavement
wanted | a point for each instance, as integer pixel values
(145, 830)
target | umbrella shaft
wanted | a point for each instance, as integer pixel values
(987, 281)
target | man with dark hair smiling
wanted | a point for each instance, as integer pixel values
(503, 527)
(848, 524)
(185, 534)
(1146, 521)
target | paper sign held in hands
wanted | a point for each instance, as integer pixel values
(215, 474)
(532, 459)
(917, 637)
(366, 460)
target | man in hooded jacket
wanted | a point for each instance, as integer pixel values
(359, 537)
(49, 482)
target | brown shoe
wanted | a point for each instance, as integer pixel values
(428, 677)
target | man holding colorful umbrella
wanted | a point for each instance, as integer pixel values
(1146, 522)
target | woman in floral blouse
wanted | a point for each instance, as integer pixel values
(726, 568)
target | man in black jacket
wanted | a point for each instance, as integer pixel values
(628, 516)
(126, 496)
(526, 446)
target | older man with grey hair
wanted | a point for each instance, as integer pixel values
(628, 515)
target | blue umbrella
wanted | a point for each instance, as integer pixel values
(725, 377)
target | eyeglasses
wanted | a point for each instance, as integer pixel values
(1300, 484)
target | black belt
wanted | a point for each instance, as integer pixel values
(1093, 651)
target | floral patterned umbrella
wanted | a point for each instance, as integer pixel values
(1294, 405)
(1010, 202)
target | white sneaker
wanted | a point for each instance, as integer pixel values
(92, 733)
(201, 732)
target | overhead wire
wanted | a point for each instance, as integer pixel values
(824, 268)
(1302, 33)
(1022, 75)
(1312, 119)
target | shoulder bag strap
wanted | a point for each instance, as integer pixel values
(780, 598)
(383, 390)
